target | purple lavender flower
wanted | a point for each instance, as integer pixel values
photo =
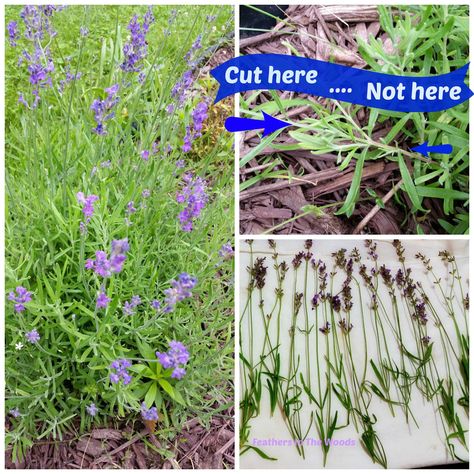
(136, 49)
(87, 203)
(84, 31)
(190, 56)
(13, 33)
(335, 303)
(69, 77)
(103, 266)
(178, 373)
(425, 340)
(20, 296)
(226, 252)
(136, 300)
(146, 193)
(150, 414)
(326, 329)
(120, 246)
(420, 313)
(103, 109)
(102, 300)
(33, 336)
(119, 371)
(130, 208)
(15, 412)
(316, 299)
(182, 87)
(128, 309)
(156, 305)
(188, 140)
(199, 115)
(180, 164)
(37, 20)
(195, 197)
(176, 357)
(180, 289)
(91, 409)
(40, 67)
(145, 154)
(22, 100)
(106, 164)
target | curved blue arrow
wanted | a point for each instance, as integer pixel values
(269, 124)
(424, 149)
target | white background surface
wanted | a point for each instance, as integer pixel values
(405, 445)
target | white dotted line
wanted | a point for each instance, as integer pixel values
(337, 90)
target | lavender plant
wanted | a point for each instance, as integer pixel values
(118, 301)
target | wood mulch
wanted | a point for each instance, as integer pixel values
(135, 448)
(324, 33)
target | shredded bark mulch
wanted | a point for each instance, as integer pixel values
(326, 33)
(131, 448)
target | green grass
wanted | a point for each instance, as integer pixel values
(51, 154)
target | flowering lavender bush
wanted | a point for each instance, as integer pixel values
(116, 220)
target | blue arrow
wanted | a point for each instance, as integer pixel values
(424, 149)
(269, 124)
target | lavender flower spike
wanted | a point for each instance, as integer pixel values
(103, 109)
(120, 367)
(104, 266)
(176, 358)
(33, 336)
(91, 409)
(102, 300)
(15, 412)
(195, 197)
(136, 49)
(180, 289)
(20, 296)
(88, 204)
(13, 33)
(150, 414)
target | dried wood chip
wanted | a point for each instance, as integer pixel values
(388, 45)
(91, 446)
(139, 455)
(265, 213)
(373, 28)
(360, 30)
(106, 433)
(308, 44)
(349, 13)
